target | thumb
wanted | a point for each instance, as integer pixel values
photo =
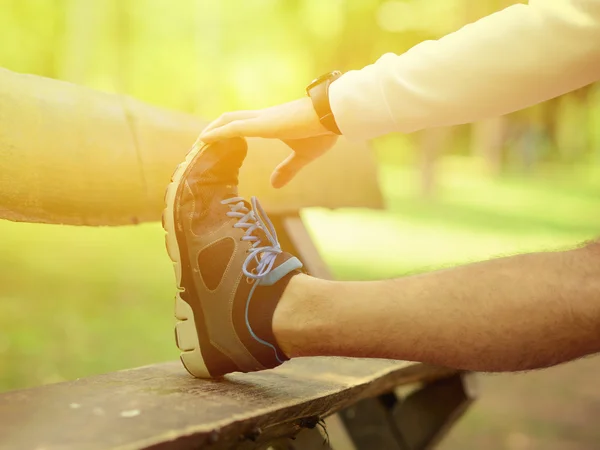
(288, 169)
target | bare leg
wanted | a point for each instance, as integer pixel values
(516, 313)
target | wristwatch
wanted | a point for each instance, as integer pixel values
(318, 91)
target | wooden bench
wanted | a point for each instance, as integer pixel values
(75, 156)
(162, 407)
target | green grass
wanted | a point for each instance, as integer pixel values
(472, 218)
(79, 301)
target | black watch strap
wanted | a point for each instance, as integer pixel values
(318, 91)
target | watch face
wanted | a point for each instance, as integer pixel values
(335, 74)
(317, 81)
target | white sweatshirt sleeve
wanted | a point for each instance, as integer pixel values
(510, 60)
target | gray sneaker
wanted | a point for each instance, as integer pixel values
(229, 266)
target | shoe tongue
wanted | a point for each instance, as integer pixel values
(230, 191)
(264, 241)
(260, 234)
(284, 264)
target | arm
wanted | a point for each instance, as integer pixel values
(508, 314)
(510, 60)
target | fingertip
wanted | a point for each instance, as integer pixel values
(206, 138)
(275, 181)
(278, 180)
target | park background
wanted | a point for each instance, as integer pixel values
(81, 301)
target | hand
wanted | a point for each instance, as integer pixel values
(295, 123)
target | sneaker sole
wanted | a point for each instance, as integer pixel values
(186, 336)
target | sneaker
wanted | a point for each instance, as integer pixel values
(229, 266)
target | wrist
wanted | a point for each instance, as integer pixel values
(318, 92)
(314, 125)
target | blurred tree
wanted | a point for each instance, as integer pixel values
(208, 56)
(573, 128)
(80, 34)
(487, 141)
(431, 144)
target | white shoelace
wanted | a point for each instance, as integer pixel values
(254, 219)
(264, 255)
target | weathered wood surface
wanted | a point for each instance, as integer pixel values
(161, 406)
(69, 154)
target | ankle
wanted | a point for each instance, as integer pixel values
(299, 314)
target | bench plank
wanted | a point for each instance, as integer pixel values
(161, 406)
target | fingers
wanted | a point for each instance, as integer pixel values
(232, 129)
(292, 120)
(227, 125)
(254, 127)
(288, 169)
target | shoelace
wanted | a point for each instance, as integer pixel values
(265, 255)
(254, 219)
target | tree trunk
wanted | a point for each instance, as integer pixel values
(487, 142)
(430, 146)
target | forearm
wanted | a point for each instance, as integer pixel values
(510, 60)
(516, 313)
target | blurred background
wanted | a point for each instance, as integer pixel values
(81, 301)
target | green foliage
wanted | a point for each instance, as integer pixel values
(78, 301)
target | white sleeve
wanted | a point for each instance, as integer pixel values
(507, 61)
